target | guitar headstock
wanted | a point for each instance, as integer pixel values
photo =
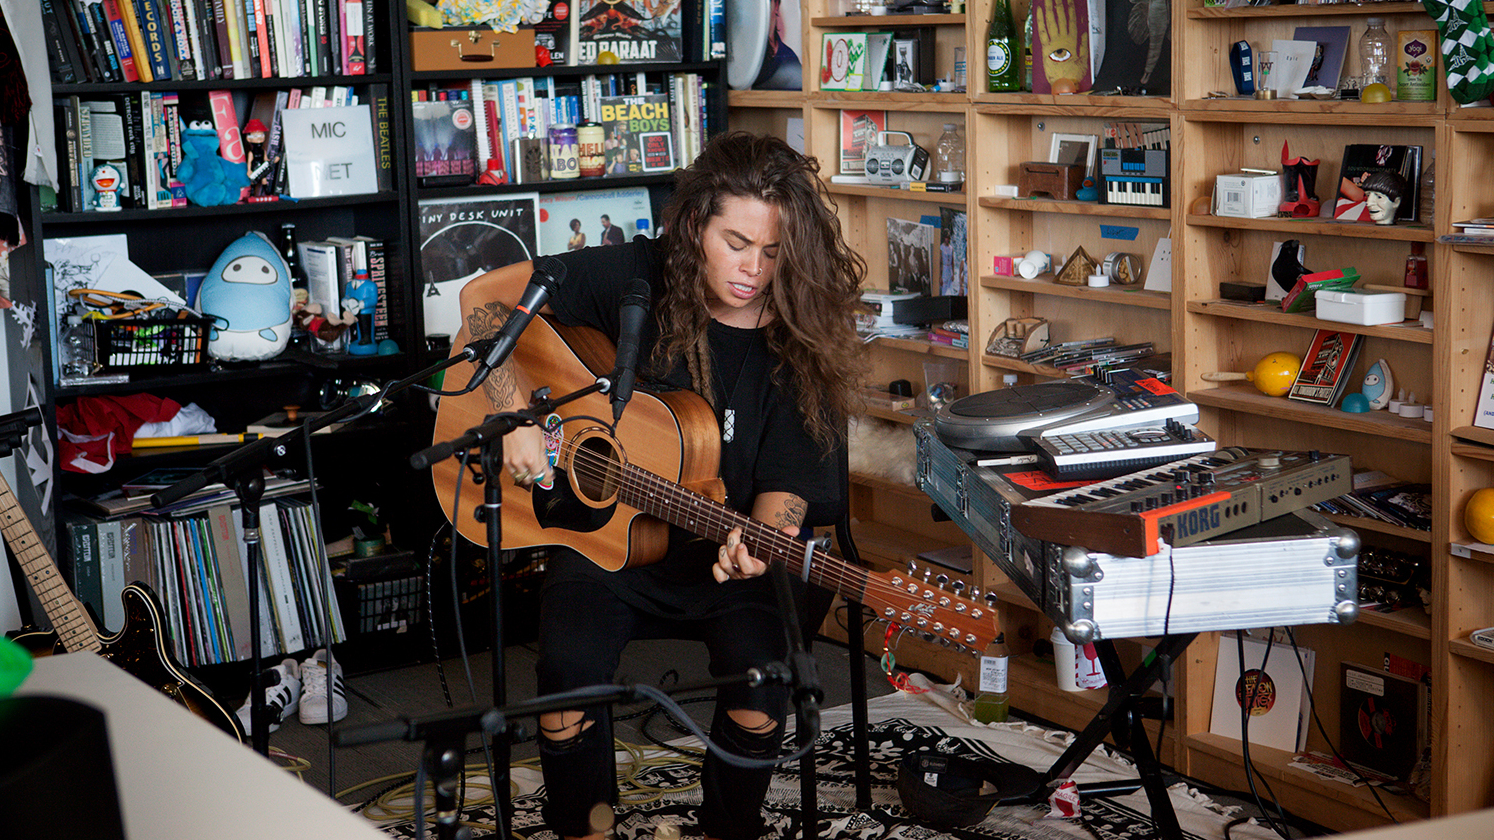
(934, 607)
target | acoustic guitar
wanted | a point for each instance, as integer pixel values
(616, 494)
(139, 647)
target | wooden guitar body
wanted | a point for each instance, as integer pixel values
(672, 435)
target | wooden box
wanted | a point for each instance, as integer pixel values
(470, 48)
(1058, 181)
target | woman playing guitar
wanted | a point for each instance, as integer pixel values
(754, 291)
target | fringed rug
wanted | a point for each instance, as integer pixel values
(901, 723)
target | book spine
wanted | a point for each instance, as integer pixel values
(85, 151)
(153, 31)
(85, 575)
(201, 60)
(181, 42)
(208, 63)
(134, 150)
(100, 24)
(65, 64)
(378, 275)
(259, 38)
(67, 16)
(98, 69)
(222, 42)
(272, 39)
(248, 39)
(352, 37)
(129, 15)
(378, 105)
(336, 65)
(370, 36)
(321, 15)
(121, 38)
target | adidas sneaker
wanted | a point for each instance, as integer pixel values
(314, 690)
(282, 695)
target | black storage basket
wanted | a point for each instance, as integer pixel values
(140, 344)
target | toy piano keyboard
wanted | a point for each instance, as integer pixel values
(1135, 176)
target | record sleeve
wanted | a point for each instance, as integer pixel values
(1380, 719)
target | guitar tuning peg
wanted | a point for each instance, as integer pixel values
(959, 586)
(942, 581)
(990, 599)
(974, 593)
(927, 573)
(912, 567)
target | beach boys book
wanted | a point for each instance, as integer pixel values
(637, 134)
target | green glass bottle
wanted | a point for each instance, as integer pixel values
(1003, 51)
(993, 703)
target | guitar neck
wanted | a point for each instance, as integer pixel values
(69, 620)
(709, 518)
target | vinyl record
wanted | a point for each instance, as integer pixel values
(747, 23)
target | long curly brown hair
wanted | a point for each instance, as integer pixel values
(816, 286)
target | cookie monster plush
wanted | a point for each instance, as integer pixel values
(247, 293)
(210, 180)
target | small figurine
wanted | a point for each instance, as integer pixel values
(1377, 385)
(106, 182)
(259, 166)
(1382, 195)
(361, 299)
(308, 316)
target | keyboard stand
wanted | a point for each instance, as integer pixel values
(1121, 714)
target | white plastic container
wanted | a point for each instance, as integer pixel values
(1075, 670)
(1362, 308)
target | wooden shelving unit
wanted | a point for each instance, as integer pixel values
(1205, 333)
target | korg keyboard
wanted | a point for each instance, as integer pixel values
(1185, 502)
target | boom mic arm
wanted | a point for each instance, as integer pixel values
(548, 274)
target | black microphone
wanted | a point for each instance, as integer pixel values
(548, 274)
(635, 304)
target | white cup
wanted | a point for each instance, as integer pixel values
(1063, 661)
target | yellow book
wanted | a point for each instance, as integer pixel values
(137, 42)
(235, 38)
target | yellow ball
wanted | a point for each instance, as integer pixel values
(1375, 92)
(1478, 515)
(607, 57)
(1275, 373)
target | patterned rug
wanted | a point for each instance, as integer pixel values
(664, 788)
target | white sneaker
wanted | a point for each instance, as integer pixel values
(314, 690)
(282, 695)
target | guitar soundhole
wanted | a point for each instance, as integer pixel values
(596, 470)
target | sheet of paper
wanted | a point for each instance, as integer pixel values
(1293, 63)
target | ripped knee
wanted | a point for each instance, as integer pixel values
(751, 733)
(565, 730)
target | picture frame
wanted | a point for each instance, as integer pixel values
(1075, 148)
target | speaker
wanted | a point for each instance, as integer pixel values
(56, 774)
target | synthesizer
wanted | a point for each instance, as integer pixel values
(1185, 502)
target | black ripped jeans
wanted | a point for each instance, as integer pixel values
(583, 629)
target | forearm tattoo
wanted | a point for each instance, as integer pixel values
(792, 515)
(484, 322)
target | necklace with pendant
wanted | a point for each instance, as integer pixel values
(729, 416)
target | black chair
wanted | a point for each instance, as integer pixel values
(817, 604)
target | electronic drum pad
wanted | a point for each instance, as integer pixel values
(992, 420)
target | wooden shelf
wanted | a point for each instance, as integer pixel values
(1221, 12)
(1462, 647)
(872, 23)
(889, 414)
(1474, 247)
(918, 345)
(1006, 363)
(1080, 105)
(1312, 112)
(1459, 549)
(1305, 793)
(1077, 208)
(1317, 227)
(1411, 621)
(897, 193)
(879, 483)
(1476, 442)
(871, 100)
(765, 99)
(1364, 523)
(1247, 400)
(1270, 313)
(1123, 295)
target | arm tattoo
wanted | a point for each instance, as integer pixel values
(792, 515)
(484, 322)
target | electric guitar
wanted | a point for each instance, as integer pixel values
(139, 648)
(615, 495)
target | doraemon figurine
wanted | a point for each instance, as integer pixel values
(1377, 385)
(247, 293)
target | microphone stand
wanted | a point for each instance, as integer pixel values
(488, 438)
(243, 470)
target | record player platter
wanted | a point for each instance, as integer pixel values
(992, 420)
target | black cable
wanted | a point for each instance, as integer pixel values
(1250, 771)
(1312, 707)
(430, 611)
(456, 611)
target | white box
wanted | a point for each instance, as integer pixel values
(1247, 195)
(1362, 308)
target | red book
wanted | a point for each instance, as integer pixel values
(262, 36)
(115, 15)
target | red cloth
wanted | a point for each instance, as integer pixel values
(98, 417)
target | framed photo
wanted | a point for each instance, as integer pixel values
(1075, 148)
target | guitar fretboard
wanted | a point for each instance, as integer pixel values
(69, 620)
(708, 518)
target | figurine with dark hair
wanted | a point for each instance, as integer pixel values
(1382, 195)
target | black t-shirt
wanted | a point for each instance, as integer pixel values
(769, 449)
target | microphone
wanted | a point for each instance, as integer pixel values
(635, 304)
(548, 274)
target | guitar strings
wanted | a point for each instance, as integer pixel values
(596, 466)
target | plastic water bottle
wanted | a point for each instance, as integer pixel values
(993, 703)
(949, 156)
(1375, 63)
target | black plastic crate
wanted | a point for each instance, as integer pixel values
(147, 344)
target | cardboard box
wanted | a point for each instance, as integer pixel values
(1247, 195)
(470, 48)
